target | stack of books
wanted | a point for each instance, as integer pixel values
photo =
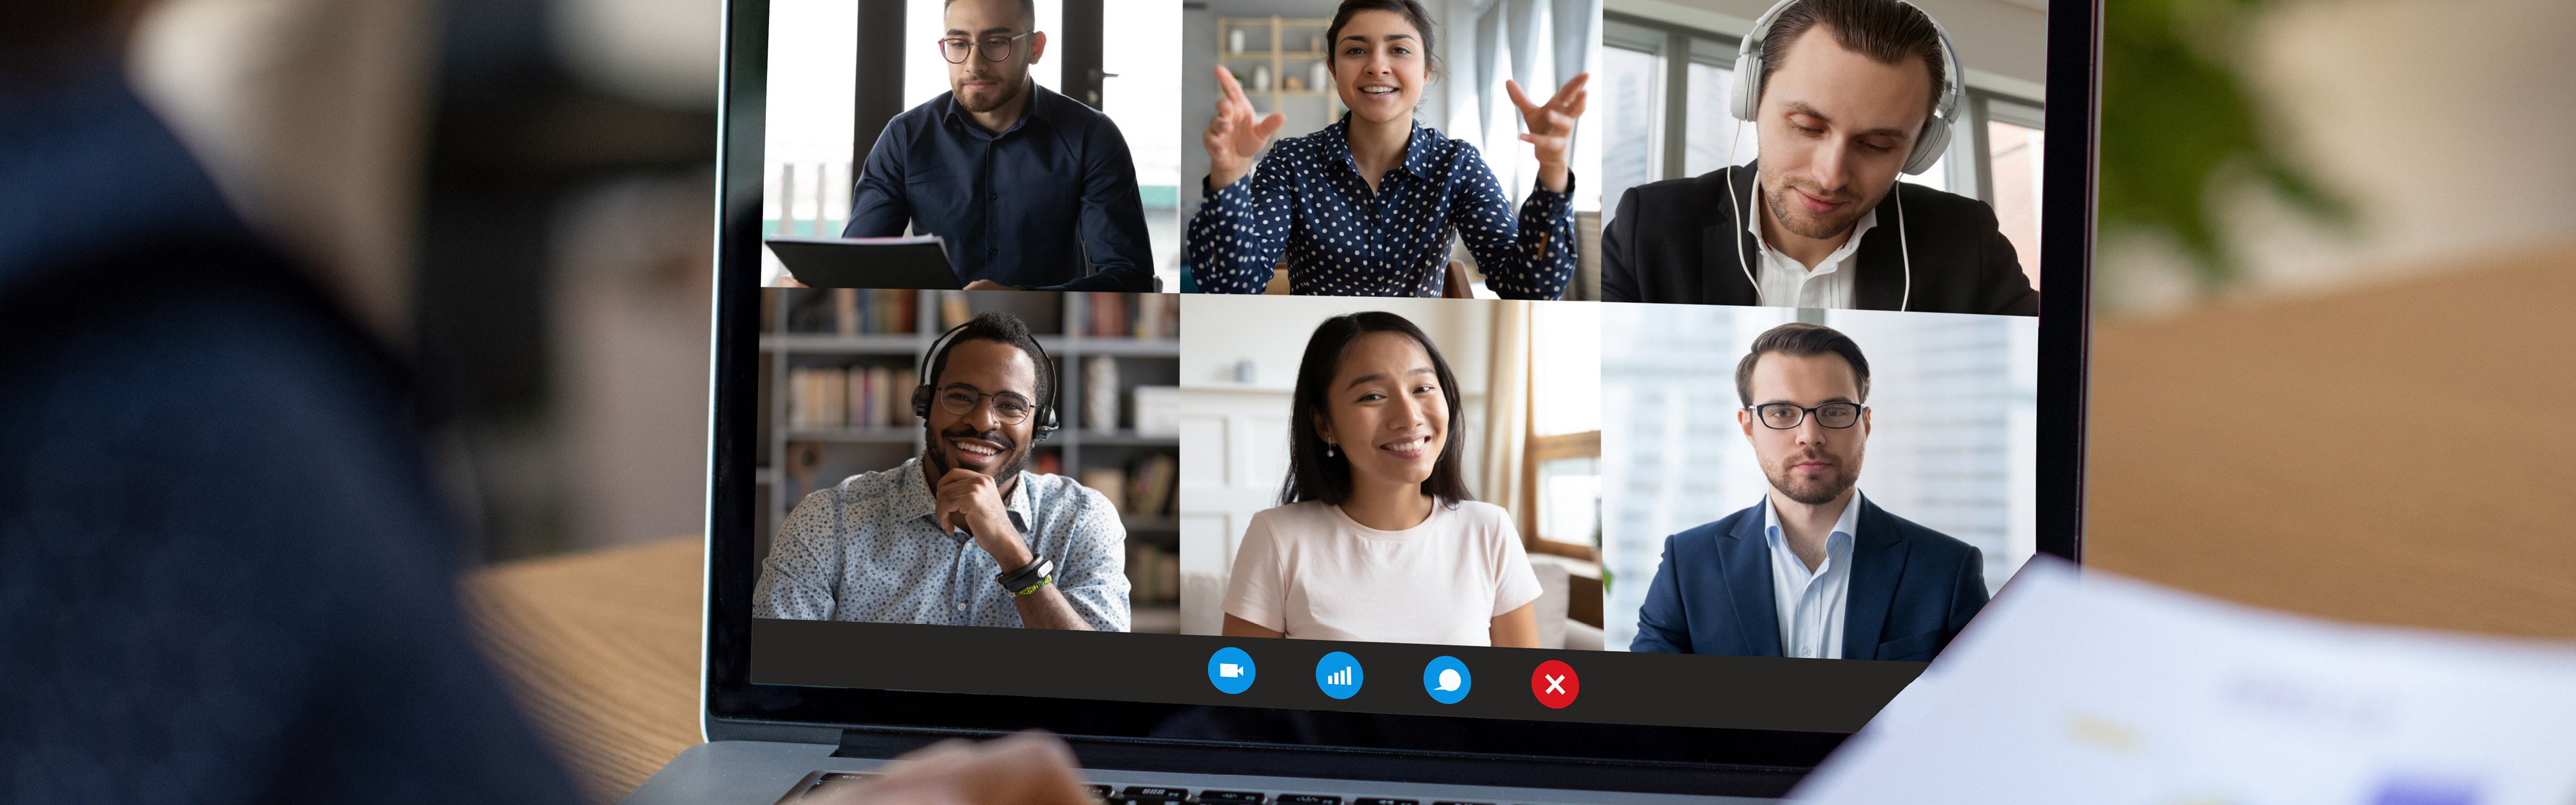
(849, 397)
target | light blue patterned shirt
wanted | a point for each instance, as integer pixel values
(867, 550)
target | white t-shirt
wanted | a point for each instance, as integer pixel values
(1310, 571)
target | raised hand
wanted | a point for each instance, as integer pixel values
(1551, 126)
(1234, 136)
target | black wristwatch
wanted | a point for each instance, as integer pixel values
(1027, 580)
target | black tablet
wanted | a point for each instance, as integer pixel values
(912, 262)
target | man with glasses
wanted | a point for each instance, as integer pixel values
(1814, 570)
(1026, 185)
(959, 535)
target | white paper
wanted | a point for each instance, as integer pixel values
(2096, 689)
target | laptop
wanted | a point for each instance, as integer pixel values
(910, 262)
(1977, 434)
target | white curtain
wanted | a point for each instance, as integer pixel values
(1506, 426)
(1512, 28)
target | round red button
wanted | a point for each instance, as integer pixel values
(1555, 684)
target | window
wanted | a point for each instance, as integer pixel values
(1632, 69)
(1562, 461)
(1709, 87)
(2013, 156)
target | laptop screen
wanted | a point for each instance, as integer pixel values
(1332, 371)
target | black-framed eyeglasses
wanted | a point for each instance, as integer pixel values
(1783, 416)
(1008, 407)
(956, 48)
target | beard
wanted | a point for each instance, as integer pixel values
(1818, 489)
(1011, 90)
(1795, 218)
(1015, 457)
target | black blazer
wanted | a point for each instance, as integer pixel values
(1670, 242)
(1912, 589)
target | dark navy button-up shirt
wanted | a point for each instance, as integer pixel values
(1307, 199)
(1016, 207)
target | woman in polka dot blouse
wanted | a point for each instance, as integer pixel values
(1365, 206)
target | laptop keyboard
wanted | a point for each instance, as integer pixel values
(1149, 794)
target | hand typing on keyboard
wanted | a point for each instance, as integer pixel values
(1031, 768)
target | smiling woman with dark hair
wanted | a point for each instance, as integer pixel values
(1376, 537)
(1366, 206)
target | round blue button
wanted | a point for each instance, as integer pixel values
(1339, 675)
(1447, 680)
(1230, 670)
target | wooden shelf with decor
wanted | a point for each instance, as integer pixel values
(1267, 42)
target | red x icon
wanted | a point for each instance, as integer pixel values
(1555, 684)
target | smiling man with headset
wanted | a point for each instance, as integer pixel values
(1838, 115)
(959, 535)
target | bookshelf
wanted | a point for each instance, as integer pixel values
(801, 331)
(1287, 48)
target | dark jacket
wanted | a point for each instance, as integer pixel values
(1675, 241)
(223, 575)
(1912, 589)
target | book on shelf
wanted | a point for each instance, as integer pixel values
(851, 312)
(1157, 318)
(1153, 574)
(1110, 482)
(1142, 490)
(818, 398)
(1150, 491)
(954, 309)
(1108, 315)
(848, 397)
(1142, 316)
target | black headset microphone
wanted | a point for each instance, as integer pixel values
(923, 394)
(1927, 148)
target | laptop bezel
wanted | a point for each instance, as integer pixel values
(735, 707)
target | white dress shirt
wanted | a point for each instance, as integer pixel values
(1810, 603)
(1785, 282)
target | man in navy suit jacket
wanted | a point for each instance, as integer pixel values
(1815, 569)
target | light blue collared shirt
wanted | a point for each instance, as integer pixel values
(1810, 603)
(867, 550)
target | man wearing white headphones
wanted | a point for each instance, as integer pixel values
(1844, 95)
(960, 535)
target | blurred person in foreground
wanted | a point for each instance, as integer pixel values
(223, 575)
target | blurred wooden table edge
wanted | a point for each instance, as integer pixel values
(601, 649)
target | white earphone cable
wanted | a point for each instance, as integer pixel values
(1740, 262)
(1902, 247)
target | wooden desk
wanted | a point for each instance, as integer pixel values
(2287, 455)
(602, 649)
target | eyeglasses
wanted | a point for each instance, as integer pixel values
(955, 48)
(1783, 416)
(1009, 408)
